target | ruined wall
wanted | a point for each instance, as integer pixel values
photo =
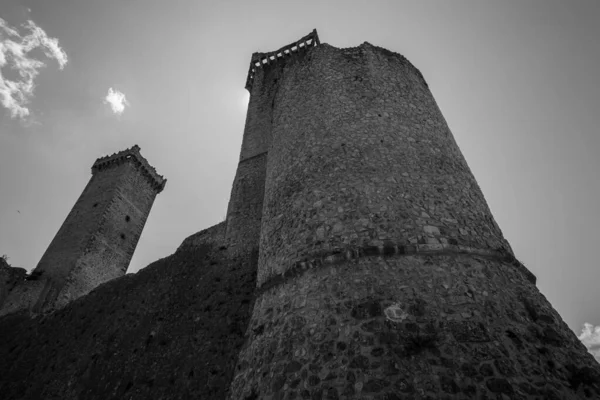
(9, 278)
(15, 292)
(382, 273)
(24, 296)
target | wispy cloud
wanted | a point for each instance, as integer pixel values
(116, 100)
(590, 337)
(14, 55)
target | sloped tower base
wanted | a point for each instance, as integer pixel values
(359, 260)
(447, 326)
(382, 273)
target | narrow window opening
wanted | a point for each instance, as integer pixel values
(127, 218)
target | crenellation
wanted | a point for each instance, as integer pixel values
(132, 154)
(358, 259)
(98, 238)
(259, 60)
(374, 237)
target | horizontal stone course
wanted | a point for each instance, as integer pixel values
(361, 155)
(358, 260)
(403, 326)
(389, 250)
(382, 273)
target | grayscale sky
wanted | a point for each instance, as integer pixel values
(517, 82)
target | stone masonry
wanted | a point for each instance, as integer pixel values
(382, 273)
(97, 240)
(358, 260)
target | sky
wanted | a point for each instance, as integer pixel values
(516, 80)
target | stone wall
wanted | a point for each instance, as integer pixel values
(81, 223)
(25, 297)
(110, 249)
(18, 291)
(244, 212)
(9, 278)
(213, 236)
(361, 156)
(173, 330)
(412, 327)
(359, 260)
(382, 273)
(97, 240)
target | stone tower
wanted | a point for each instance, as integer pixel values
(381, 272)
(97, 239)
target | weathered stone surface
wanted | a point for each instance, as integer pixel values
(244, 212)
(9, 278)
(358, 260)
(381, 270)
(213, 236)
(345, 335)
(97, 239)
(359, 153)
(171, 331)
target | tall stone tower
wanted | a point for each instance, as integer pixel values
(382, 273)
(97, 240)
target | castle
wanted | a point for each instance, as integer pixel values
(358, 259)
(97, 240)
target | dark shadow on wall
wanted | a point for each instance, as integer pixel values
(173, 330)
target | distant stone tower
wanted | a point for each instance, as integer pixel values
(382, 273)
(97, 240)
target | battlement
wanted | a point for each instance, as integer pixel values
(358, 259)
(157, 181)
(260, 59)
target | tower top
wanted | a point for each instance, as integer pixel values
(259, 59)
(156, 181)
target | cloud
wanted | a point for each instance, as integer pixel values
(14, 55)
(116, 100)
(590, 337)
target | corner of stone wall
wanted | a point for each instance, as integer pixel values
(22, 297)
(17, 293)
(215, 235)
(9, 278)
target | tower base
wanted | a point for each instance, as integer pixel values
(417, 326)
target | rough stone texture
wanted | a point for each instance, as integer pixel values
(213, 236)
(23, 295)
(9, 278)
(245, 207)
(244, 212)
(361, 155)
(438, 326)
(171, 331)
(382, 273)
(359, 260)
(97, 240)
